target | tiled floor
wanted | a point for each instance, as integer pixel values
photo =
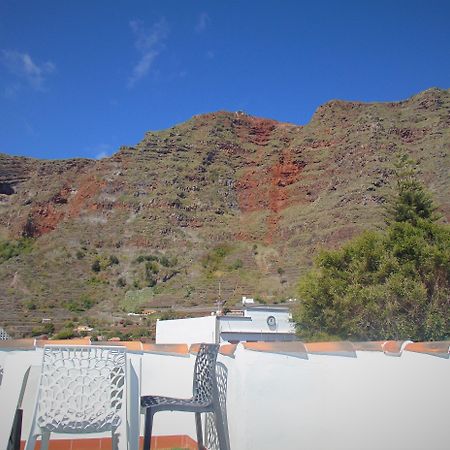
(158, 443)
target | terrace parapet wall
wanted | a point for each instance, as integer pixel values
(286, 395)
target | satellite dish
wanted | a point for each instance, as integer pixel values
(271, 321)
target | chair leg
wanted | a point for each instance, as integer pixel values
(44, 440)
(198, 424)
(148, 428)
(221, 433)
(16, 431)
(31, 442)
(114, 440)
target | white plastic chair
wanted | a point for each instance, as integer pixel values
(81, 390)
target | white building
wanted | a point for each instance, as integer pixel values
(247, 300)
(257, 323)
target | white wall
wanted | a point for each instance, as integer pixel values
(189, 331)
(371, 402)
(368, 402)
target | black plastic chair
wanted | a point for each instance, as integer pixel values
(205, 399)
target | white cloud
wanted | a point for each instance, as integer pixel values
(100, 151)
(202, 22)
(102, 155)
(149, 43)
(22, 66)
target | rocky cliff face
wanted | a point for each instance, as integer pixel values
(222, 197)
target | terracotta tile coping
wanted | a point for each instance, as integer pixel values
(173, 349)
(132, 346)
(394, 348)
(438, 348)
(368, 346)
(225, 349)
(18, 344)
(295, 348)
(330, 347)
(43, 342)
(158, 442)
(341, 348)
(228, 349)
(194, 348)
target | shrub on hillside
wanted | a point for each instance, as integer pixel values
(65, 333)
(96, 266)
(121, 282)
(113, 260)
(11, 249)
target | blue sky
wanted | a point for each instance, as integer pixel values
(80, 78)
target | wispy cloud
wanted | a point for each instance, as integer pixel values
(202, 22)
(101, 151)
(149, 43)
(23, 68)
(102, 155)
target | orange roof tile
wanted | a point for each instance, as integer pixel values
(438, 348)
(194, 348)
(294, 348)
(368, 346)
(18, 344)
(228, 349)
(81, 341)
(339, 348)
(393, 348)
(136, 346)
(173, 349)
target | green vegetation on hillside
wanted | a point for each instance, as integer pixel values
(393, 284)
(10, 249)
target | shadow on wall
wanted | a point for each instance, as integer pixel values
(211, 435)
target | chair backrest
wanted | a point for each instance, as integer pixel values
(81, 388)
(205, 383)
(4, 336)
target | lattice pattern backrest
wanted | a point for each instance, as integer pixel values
(211, 432)
(205, 373)
(4, 336)
(81, 389)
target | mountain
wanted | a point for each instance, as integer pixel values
(224, 198)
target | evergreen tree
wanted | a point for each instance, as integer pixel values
(411, 201)
(384, 285)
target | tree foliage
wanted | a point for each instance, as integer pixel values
(393, 284)
(411, 202)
